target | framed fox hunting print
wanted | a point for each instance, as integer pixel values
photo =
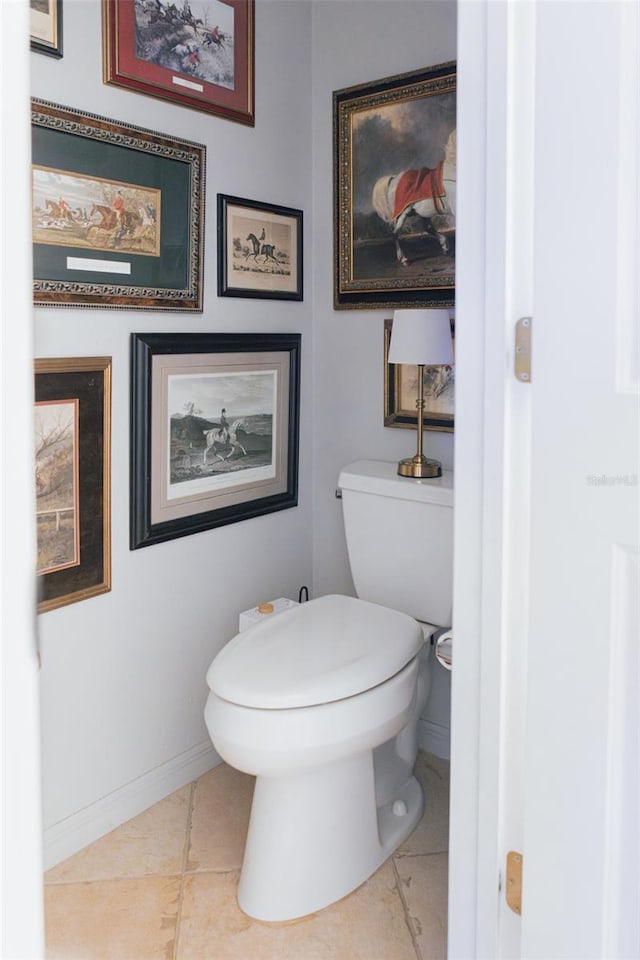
(117, 213)
(194, 53)
(395, 191)
(214, 430)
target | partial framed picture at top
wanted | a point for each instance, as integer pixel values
(214, 431)
(401, 392)
(72, 462)
(195, 53)
(46, 26)
(395, 191)
(117, 213)
(259, 250)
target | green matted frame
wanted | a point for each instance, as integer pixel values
(71, 144)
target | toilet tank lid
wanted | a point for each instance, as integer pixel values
(381, 478)
(328, 649)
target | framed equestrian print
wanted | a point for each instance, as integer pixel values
(46, 27)
(395, 191)
(195, 53)
(117, 213)
(259, 250)
(214, 430)
(401, 392)
(72, 437)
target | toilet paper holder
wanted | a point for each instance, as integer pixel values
(442, 642)
(435, 636)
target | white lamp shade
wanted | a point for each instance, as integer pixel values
(421, 336)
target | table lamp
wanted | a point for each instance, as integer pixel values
(421, 337)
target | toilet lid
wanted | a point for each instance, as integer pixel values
(327, 649)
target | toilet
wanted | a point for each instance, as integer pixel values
(321, 702)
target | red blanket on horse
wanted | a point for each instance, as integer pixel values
(415, 185)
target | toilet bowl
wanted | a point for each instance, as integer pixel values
(302, 701)
(321, 702)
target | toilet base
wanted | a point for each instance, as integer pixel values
(296, 863)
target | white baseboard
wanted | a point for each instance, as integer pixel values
(66, 837)
(434, 738)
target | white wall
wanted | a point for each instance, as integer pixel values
(21, 920)
(359, 41)
(123, 674)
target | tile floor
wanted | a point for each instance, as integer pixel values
(163, 886)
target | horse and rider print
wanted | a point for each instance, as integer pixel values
(193, 37)
(75, 210)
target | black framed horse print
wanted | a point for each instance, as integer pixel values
(259, 250)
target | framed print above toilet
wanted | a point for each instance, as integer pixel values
(214, 430)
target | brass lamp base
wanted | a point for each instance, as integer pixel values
(420, 468)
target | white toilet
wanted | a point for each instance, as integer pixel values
(321, 702)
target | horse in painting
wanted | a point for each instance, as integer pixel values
(431, 194)
(266, 250)
(220, 442)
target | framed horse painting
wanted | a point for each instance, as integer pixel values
(117, 213)
(395, 191)
(259, 250)
(214, 430)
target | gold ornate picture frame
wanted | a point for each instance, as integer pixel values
(401, 392)
(394, 191)
(117, 213)
(72, 447)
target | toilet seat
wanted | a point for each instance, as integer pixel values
(325, 650)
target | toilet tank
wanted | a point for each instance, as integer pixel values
(400, 538)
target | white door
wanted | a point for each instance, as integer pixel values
(545, 692)
(581, 843)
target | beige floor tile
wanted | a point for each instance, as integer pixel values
(432, 833)
(133, 919)
(424, 888)
(219, 819)
(151, 843)
(369, 924)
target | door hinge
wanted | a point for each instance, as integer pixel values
(522, 362)
(514, 881)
